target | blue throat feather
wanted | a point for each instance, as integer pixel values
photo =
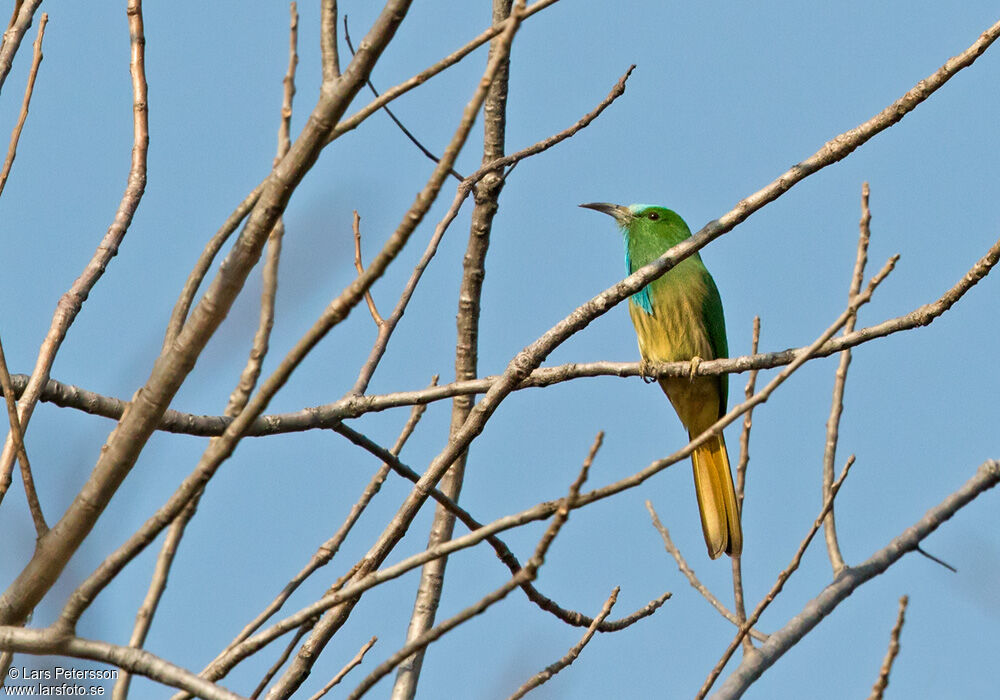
(640, 298)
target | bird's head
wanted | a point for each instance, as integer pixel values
(645, 220)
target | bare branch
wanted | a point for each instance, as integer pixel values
(361, 270)
(422, 77)
(204, 262)
(571, 656)
(503, 552)
(356, 661)
(329, 549)
(15, 135)
(840, 379)
(741, 476)
(395, 120)
(136, 661)
(171, 368)
(72, 301)
(282, 658)
(529, 572)
(24, 11)
(34, 506)
(487, 197)
(778, 585)
(751, 668)
(386, 330)
(890, 655)
(692, 578)
(328, 41)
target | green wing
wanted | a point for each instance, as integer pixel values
(715, 320)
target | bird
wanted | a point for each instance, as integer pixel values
(678, 317)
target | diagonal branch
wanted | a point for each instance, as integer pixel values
(395, 120)
(20, 21)
(552, 669)
(15, 135)
(171, 368)
(463, 191)
(779, 584)
(751, 668)
(22, 454)
(682, 565)
(71, 302)
(527, 573)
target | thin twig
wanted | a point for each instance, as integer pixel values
(71, 302)
(280, 661)
(741, 476)
(882, 682)
(692, 578)
(329, 549)
(529, 572)
(29, 88)
(840, 379)
(752, 666)
(201, 267)
(360, 267)
(423, 76)
(22, 453)
(779, 584)
(406, 132)
(503, 552)
(462, 192)
(571, 656)
(356, 661)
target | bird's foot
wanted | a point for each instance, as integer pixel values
(695, 361)
(647, 371)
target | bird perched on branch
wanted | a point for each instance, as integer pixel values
(679, 317)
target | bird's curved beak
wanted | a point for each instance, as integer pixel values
(623, 215)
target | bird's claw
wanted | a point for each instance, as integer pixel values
(695, 361)
(647, 371)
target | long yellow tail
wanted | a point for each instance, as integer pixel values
(713, 484)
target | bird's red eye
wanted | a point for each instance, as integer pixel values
(653, 216)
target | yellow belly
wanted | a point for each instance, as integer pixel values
(672, 337)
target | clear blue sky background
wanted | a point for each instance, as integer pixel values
(726, 96)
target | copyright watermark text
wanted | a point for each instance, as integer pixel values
(58, 681)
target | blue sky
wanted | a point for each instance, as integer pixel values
(725, 97)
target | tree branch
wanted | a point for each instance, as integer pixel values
(572, 655)
(487, 197)
(751, 668)
(692, 578)
(137, 661)
(890, 655)
(741, 477)
(840, 379)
